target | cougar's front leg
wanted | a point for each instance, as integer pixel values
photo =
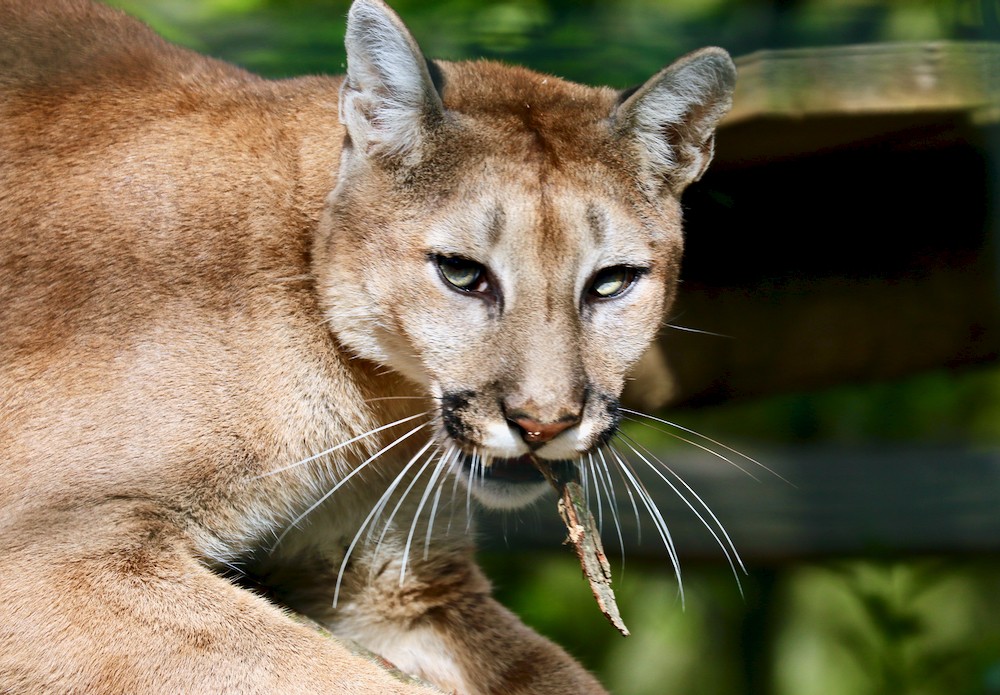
(442, 624)
(134, 612)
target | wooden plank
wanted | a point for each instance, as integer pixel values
(838, 502)
(868, 79)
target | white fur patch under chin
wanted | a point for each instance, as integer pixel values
(585, 434)
(504, 496)
(419, 652)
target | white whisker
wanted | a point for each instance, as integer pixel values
(704, 448)
(343, 480)
(454, 487)
(585, 484)
(350, 441)
(654, 514)
(613, 501)
(435, 474)
(395, 510)
(376, 509)
(384, 500)
(453, 454)
(468, 492)
(597, 490)
(697, 330)
(631, 497)
(728, 547)
(707, 439)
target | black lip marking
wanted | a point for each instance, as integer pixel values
(452, 405)
(612, 406)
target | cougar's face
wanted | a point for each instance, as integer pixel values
(519, 301)
(508, 240)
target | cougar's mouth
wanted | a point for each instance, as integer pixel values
(515, 470)
(507, 482)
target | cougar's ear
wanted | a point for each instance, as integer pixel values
(387, 100)
(672, 117)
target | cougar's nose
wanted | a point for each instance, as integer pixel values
(535, 433)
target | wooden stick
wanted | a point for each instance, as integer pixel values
(586, 540)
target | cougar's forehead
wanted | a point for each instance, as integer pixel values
(532, 223)
(542, 177)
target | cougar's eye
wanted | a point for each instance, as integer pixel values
(463, 274)
(612, 282)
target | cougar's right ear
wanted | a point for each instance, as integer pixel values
(387, 100)
(672, 117)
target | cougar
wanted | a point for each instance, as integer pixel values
(265, 346)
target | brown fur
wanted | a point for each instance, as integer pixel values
(185, 308)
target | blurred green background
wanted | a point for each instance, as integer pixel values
(882, 624)
(615, 42)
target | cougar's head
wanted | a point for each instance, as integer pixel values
(508, 240)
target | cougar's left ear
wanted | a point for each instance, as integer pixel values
(672, 117)
(387, 100)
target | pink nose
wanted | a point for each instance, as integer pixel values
(534, 432)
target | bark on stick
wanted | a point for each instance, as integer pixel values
(586, 540)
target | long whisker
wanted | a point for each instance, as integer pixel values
(468, 491)
(705, 438)
(456, 478)
(350, 441)
(399, 504)
(342, 481)
(610, 491)
(441, 465)
(686, 329)
(631, 497)
(585, 484)
(384, 500)
(704, 448)
(728, 547)
(654, 513)
(593, 475)
(376, 509)
(453, 456)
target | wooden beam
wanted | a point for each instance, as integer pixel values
(868, 79)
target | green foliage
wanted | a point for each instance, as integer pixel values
(918, 627)
(910, 628)
(671, 642)
(617, 42)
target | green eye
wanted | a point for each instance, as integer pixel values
(611, 282)
(462, 273)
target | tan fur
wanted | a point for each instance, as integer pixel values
(206, 278)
